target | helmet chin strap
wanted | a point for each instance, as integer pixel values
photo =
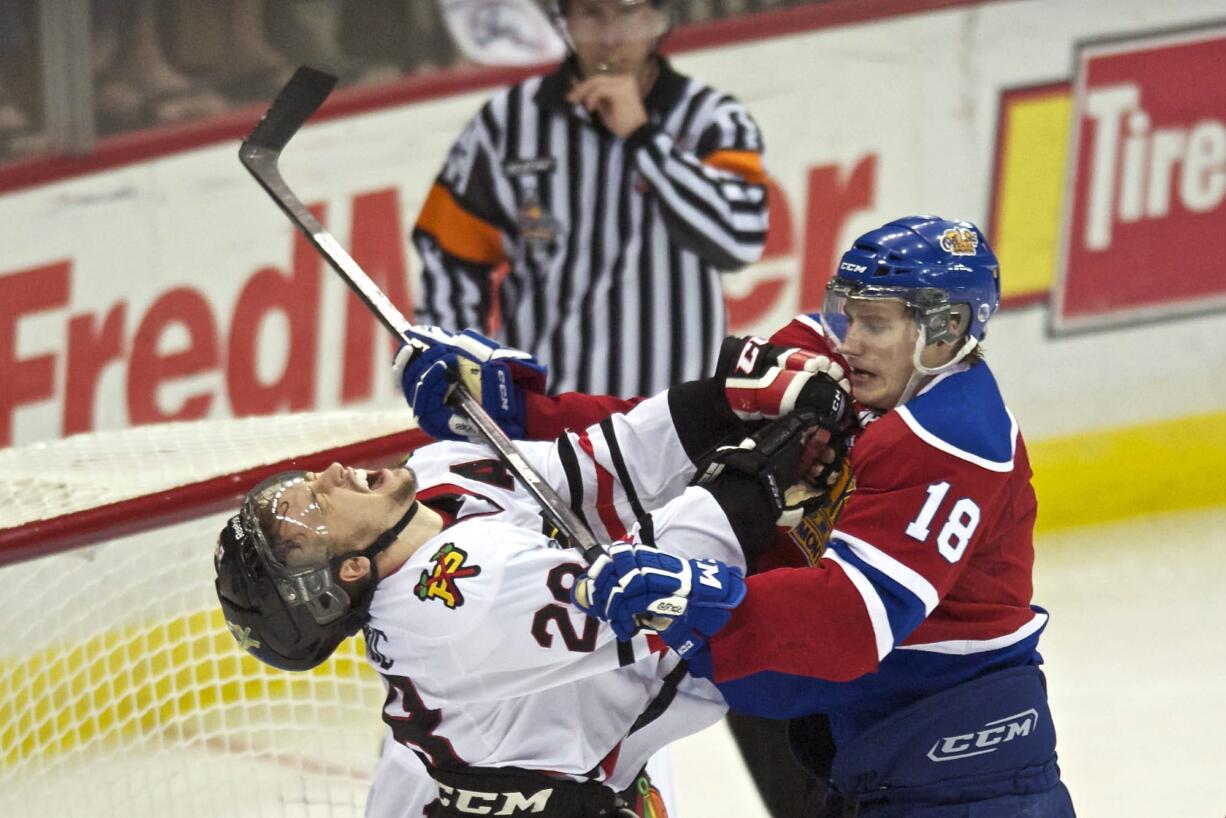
(381, 544)
(921, 373)
(388, 537)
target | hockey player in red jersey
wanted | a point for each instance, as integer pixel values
(915, 635)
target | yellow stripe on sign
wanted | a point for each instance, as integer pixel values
(1114, 474)
(1033, 148)
(171, 679)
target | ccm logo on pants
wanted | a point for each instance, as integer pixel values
(987, 739)
(475, 802)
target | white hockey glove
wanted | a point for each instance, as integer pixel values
(428, 366)
(685, 601)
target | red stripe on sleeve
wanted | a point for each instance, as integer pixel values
(604, 492)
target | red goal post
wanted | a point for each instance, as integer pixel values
(121, 691)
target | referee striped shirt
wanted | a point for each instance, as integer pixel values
(611, 248)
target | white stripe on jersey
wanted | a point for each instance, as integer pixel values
(962, 647)
(937, 443)
(883, 633)
(908, 578)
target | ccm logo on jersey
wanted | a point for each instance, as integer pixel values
(985, 740)
(475, 802)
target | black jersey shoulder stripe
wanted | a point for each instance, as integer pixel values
(574, 476)
(668, 692)
(619, 467)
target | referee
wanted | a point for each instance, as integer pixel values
(613, 191)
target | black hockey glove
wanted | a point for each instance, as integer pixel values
(750, 480)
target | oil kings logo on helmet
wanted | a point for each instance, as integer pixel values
(439, 582)
(985, 740)
(961, 241)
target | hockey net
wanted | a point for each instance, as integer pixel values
(121, 691)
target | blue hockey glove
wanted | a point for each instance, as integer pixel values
(685, 601)
(428, 367)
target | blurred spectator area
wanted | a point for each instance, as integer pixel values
(21, 98)
(76, 71)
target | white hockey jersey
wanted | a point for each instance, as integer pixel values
(487, 663)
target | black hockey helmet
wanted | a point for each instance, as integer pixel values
(288, 613)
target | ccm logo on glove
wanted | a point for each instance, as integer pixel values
(708, 570)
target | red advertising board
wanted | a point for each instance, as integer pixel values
(1145, 212)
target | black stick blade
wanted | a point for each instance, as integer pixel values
(295, 103)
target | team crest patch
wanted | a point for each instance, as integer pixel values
(439, 582)
(812, 534)
(961, 241)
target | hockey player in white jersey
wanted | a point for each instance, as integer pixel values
(517, 703)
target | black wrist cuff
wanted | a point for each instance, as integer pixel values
(702, 416)
(748, 507)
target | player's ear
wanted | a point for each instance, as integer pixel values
(353, 569)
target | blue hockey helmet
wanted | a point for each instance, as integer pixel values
(939, 267)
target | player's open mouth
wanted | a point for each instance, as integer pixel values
(368, 479)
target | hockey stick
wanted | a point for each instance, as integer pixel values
(259, 153)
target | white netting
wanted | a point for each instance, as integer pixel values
(121, 691)
(59, 477)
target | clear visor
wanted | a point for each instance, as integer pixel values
(591, 22)
(839, 293)
(923, 305)
(284, 519)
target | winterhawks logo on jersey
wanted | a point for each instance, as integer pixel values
(439, 582)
